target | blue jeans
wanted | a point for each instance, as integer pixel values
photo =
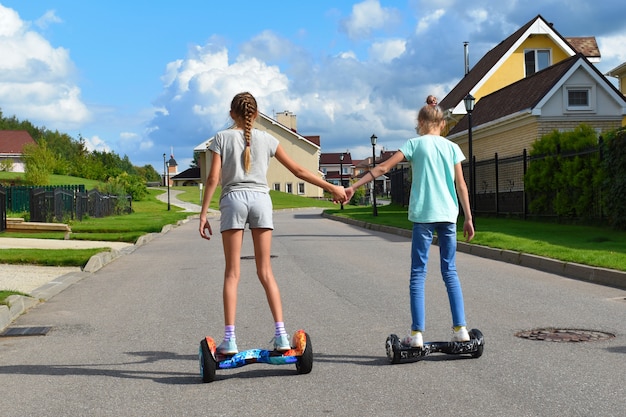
(422, 239)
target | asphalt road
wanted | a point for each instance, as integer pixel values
(124, 340)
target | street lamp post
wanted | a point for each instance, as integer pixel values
(373, 140)
(164, 170)
(341, 173)
(470, 101)
(168, 186)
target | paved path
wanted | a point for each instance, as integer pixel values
(123, 341)
(190, 207)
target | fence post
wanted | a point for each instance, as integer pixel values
(497, 184)
(525, 165)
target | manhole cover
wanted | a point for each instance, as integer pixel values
(564, 335)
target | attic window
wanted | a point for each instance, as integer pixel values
(579, 98)
(536, 60)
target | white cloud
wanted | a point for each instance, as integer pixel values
(428, 21)
(388, 50)
(368, 16)
(36, 79)
(612, 50)
(94, 143)
(49, 17)
(198, 89)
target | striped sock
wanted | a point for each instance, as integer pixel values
(280, 329)
(229, 331)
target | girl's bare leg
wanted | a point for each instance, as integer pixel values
(231, 240)
(262, 239)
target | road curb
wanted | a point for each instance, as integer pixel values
(602, 276)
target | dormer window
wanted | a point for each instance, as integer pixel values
(536, 60)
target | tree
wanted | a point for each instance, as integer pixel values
(39, 163)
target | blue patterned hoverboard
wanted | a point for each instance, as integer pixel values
(300, 354)
(399, 353)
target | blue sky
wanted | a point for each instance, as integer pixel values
(143, 78)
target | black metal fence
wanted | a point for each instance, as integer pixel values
(499, 187)
(47, 204)
(3, 209)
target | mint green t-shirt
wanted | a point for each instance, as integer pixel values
(433, 194)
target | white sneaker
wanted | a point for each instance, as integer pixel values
(460, 335)
(416, 341)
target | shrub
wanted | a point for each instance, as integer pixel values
(614, 184)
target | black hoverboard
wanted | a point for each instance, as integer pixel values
(399, 353)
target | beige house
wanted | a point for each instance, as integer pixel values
(303, 150)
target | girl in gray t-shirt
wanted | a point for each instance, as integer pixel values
(241, 158)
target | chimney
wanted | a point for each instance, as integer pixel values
(288, 119)
(466, 54)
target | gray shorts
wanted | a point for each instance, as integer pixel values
(240, 207)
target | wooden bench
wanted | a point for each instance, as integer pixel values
(19, 225)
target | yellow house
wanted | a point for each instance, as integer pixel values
(304, 150)
(560, 97)
(533, 47)
(530, 84)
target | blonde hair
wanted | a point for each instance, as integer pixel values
(429, 118)
(243, 110)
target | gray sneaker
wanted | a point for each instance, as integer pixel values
(281, 343)
(228, 347)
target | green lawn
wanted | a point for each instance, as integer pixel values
(587, 245)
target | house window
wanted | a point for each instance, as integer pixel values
(289, 188)
(301, 188)
(536, 60)
(276, 186)
(579, 98)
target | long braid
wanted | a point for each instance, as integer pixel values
(245, 109)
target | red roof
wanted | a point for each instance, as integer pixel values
(13, 141)
(334, 158)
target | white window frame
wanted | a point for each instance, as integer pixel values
(536, 61)
(276, 186)
(300, 188)
(591, 98)
(289, 188)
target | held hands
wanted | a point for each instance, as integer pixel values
(349, 193)
(205, 228)
(339, 195)
(345, 193)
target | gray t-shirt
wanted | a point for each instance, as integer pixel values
(230, 145)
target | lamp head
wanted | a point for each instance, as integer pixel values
(469, 101)
(373, 140)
